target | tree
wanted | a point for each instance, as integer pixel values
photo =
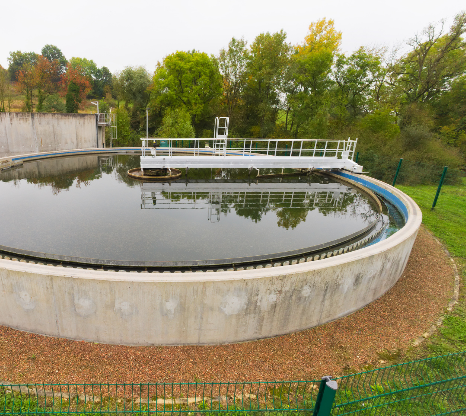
(98, 77)
(123, 127)
(73, 98)
(322, 37)
(176, 123)
(54, 54)
(131, 86)
(435, 60)
(102, 79)
(189, 80)
(309, 79)
(76, 86)
(53, 104)
(16, 61)
(45, 72)
(232, 65)
(26, 82)
(356, 76)
(87, 67)
(4, 88)
(450, 114)
(267, 62)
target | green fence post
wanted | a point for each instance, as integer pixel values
(397, 170)
(439, 186)
(325, 397)
(357, 157)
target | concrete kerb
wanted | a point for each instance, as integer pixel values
(202, 308)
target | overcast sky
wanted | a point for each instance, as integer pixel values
(119, 33)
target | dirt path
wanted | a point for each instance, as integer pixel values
(390, 323)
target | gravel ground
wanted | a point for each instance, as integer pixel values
(391, 323)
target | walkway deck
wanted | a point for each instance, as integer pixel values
(249, 153)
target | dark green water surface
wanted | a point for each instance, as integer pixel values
(87, 206)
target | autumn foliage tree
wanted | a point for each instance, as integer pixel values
(46, 72)
(309, 79)
(75, 87)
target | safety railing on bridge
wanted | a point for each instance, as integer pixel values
(433, 386)
(343, 149)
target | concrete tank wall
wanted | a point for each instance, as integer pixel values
(202, 307)
(22, 133)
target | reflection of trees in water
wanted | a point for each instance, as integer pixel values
(59, 183)
(118, 164)
(290, 218)
(123, 163)
(291, 208)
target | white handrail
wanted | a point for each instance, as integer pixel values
(244, 147)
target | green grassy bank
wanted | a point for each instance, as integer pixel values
(447, 221)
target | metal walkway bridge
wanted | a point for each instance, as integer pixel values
(222, 152)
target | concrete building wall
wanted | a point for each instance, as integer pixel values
(202, 307)
(22, 133)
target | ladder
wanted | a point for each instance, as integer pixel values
(221, 135)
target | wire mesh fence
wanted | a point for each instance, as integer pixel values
(153, 398)
(433, 386)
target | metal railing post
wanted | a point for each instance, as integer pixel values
(397, 170)
(439, 186)
(325, 397)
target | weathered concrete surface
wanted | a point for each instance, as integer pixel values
(22, 133)
(201, 308)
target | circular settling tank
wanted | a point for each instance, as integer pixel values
(89, 210)
(215, 256)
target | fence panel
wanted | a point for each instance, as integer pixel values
(154, 398)
(433, 386)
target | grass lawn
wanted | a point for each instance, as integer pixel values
(448, 222)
